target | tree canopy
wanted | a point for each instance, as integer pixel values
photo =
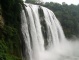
(10, 46)
(33, 1)
(68, 15)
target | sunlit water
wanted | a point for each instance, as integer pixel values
(57, 47)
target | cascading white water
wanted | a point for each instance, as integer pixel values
(40, 29)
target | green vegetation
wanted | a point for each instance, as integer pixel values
(33, 1)
(68, 15)
(10, 46)
(10, 34)
(30, 1)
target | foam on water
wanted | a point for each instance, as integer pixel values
(35, 28)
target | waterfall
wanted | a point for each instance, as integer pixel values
(42, 33)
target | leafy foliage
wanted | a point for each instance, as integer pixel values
(10, 46)
(68, 15)
(30, 1)
(10, 37)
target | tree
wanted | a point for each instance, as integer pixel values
(33, 1)
(68, 15)
(10, 46)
